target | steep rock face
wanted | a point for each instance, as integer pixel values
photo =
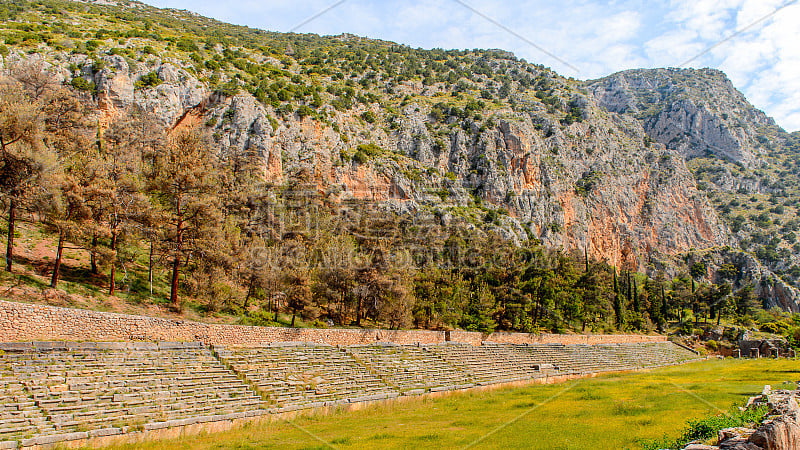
(114, 84)
(592, 185)
(737, 154)
(171, 99)
(774, 291)
(695, 112)
(595, 184)
(115, 87)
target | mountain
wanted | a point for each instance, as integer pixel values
(651, 170)
(747, 165)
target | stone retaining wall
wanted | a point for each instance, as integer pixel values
(570, 339)
(33, 322)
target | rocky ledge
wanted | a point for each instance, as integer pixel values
(778, 431)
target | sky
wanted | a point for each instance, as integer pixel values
(756, 42)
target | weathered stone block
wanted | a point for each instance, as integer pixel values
(156, 426)
(45, 346)
(105, 432)
(16, 346)
(56, 438)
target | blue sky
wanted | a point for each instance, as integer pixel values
(589, 38)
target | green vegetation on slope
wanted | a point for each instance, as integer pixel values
(619, 411)
(155, 214)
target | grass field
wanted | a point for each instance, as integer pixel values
(608, 412)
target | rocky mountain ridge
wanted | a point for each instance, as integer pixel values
(739, 156)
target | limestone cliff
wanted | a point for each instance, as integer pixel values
(744, 161)
(595, 183)
(695, 112)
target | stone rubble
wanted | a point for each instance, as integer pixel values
(779, 431)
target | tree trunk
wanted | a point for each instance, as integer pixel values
(93, 256)
(293, 314)
(173, 290)
(57, 267)
(150, 268)
(358, 312)
(12, 210)
(249, 291)
(586, 257)
(112, 279)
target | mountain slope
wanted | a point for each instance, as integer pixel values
(475, 138)
(747, 165)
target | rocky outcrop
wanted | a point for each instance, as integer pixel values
(595, 184)
(767, 286)
(695, 112)
(171, 99)
(733, 149)
(779, 430)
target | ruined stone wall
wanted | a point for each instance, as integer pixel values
(33, 322)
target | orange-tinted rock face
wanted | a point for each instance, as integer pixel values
(579, 188)
(363, 183)
(592, 185)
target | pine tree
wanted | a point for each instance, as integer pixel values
(21, 161)
(619, 308)
(67, 184)
(184, 184)
(116, 197)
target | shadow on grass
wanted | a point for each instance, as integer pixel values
(69, 273)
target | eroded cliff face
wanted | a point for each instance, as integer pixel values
(596, 184)
(695, 112)
(736, 152)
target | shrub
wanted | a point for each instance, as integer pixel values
(370, 149)
(369, 117)
(698, 269)
(148, 80)
(703, 429)
(779, 327)
(304, 111)
(587, 182)
(81, 84)
(186, 45)
(92, 45)
(360, 157)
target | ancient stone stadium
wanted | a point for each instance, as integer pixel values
(76, 393)
(417, 225)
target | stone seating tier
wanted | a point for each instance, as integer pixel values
(52, 392)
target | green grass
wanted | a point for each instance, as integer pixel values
(610, 412)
